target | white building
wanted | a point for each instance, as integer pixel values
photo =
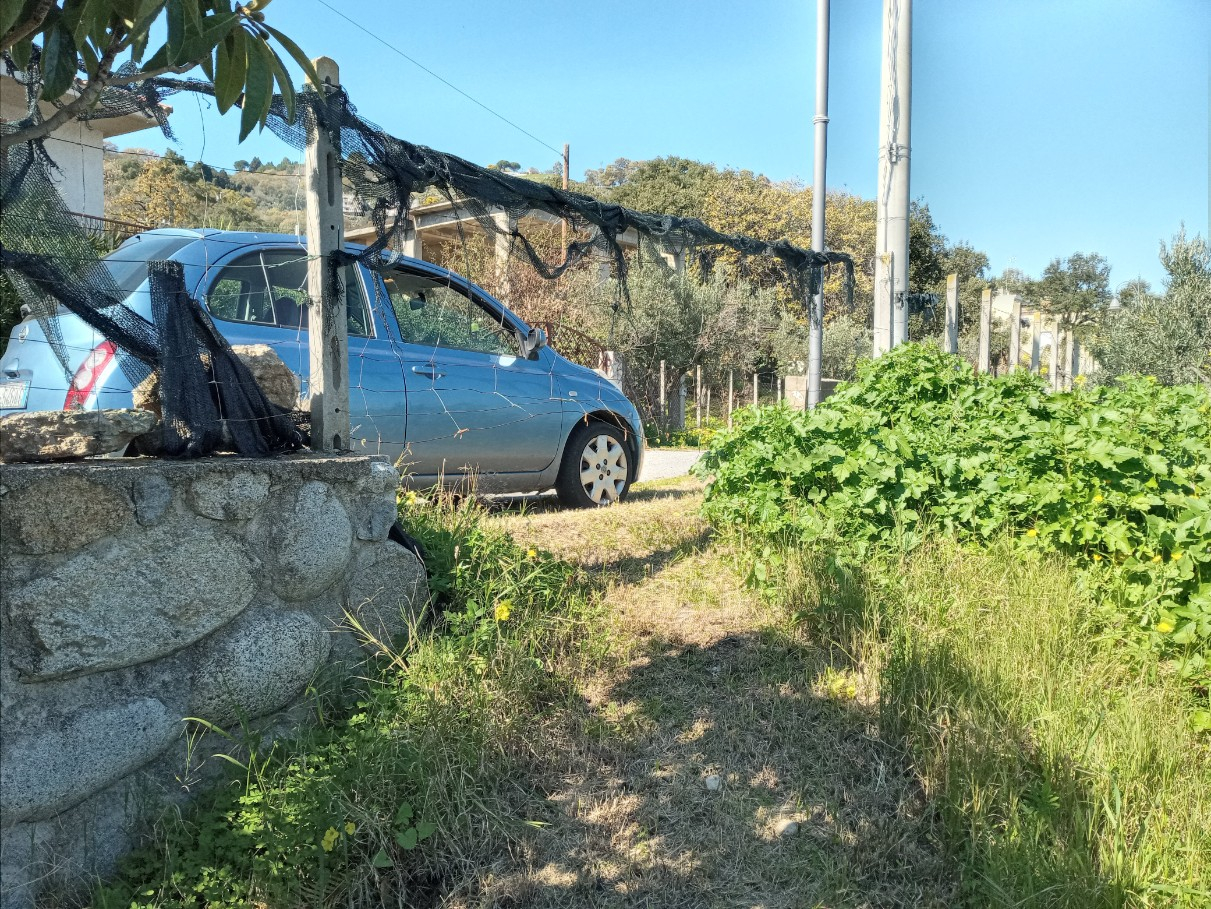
(77, 148)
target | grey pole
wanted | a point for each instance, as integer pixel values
(952, 314)
(815, 343)
(1036, 330)
(756, 391)
(1015, 334)
(892, 201)
(984, 351)
(329, 336)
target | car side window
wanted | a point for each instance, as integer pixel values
(434, 313)
(270, 288)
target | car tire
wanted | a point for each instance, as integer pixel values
(596, 469)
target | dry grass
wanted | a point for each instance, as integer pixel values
(706, 681)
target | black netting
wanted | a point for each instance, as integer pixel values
(53, 264)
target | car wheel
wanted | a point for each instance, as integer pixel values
(596, 467)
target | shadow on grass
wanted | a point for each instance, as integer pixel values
(638, 823)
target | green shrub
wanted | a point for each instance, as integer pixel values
(1115, 477)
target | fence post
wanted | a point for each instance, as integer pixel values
(983, 355)
(884, 309)
(328, 327)
(1015, 334)
(731, 395)
(698, 395)
(708, 402)
(681, 402)
(756, 391)
(1053, 365)
(664, 406)
(952, 314)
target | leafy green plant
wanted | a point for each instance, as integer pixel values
(1115, 477)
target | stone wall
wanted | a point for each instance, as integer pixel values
(137, 593)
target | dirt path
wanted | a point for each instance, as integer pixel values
(722, 761)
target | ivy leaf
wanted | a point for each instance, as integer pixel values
(406, 839)
(382, 860)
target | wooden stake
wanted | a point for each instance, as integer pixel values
(328, 325)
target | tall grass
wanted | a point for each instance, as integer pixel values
(1063, 777)
(406, 789)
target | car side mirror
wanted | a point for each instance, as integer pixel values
(533, 341)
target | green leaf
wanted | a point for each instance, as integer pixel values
(403, 814)
(21, 52)
(296, 52)
(284, 83)
(209, 33)
(231, 66)
(382, 860)
(258, 87)
(176, 31)
(59, 63)
(11, 14)
(406, 839)
(425, 829)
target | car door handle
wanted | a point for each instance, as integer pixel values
(429, 371)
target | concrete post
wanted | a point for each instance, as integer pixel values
(328, 332)
(412, 245)
(951, 340)
(731, 395)
(756, 391)
(664, 405)
(885, 288)
(681, 393)
(1015, 334)
(1053, 364)
(1036, 340)
(708, 402)
(676, 260)
(983, 354)
(505, 225)
(1066, 365)
(1074, 361)
(698, 395)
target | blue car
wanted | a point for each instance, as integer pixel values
(444, 380)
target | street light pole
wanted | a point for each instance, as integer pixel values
(815, 344)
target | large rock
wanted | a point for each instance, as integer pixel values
(235, 497)
(277, 380)
(257, 665)
(60, 435)
(47, 769)
(144, 597)
(312, 543)
(385, 593)
(64, 515)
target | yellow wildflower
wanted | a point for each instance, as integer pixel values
(531, 554)
(1175, 555)
(350, 828)
(410, 497)
(1097, 557)
(1098, 497)
(1164, 626)
(330, 837)
(1080, 380)
(1156, 560)
(503, 609)
(1032, 532)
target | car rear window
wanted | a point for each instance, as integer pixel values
(128, 263)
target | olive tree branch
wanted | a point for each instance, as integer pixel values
(22, 30)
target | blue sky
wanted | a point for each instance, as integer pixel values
(1039, 127)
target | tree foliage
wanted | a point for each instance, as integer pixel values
(72, 50)
(1168, 337)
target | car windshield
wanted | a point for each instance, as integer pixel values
(128, 263)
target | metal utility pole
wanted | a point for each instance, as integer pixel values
(328, 333)
(815, 343)
(891, 224)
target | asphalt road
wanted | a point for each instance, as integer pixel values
(664, 463)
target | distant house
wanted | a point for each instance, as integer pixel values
(77, 148)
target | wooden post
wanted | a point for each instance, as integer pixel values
(664, 406)
(731, 395)
(984, 353)
(328, 328)
(1036, 332)
(1015, 334)
(951, 344)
